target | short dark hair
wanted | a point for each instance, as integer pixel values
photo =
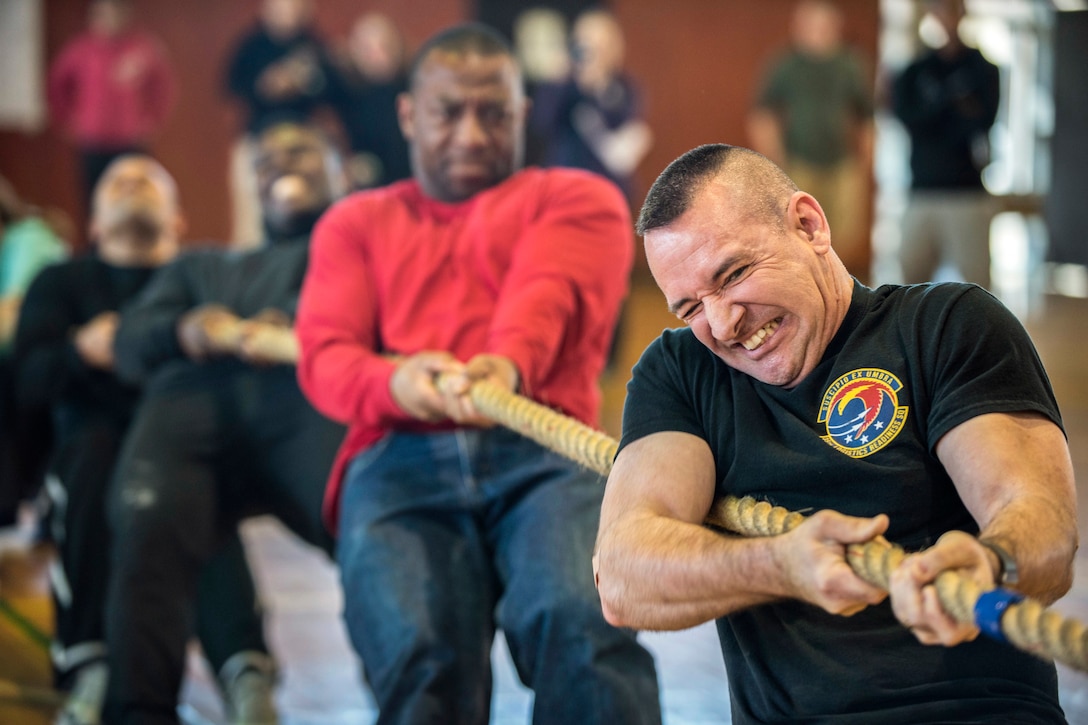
(676, 186)
(464, 38)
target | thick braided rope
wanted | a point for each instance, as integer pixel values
(1028, 625)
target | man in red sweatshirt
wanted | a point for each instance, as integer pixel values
(449, 528)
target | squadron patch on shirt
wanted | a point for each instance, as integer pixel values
(861, 411)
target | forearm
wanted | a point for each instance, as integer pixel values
(661, 574)
(1015, 475)
(1042, 539)
(344, 380)
(528, 329)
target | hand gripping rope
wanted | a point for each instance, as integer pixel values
(998, 613)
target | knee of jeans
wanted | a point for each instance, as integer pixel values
(570, 617)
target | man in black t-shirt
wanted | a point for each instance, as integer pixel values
(921, 413)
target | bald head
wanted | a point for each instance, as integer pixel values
(136, 218)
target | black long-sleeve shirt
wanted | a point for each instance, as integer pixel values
(147, 347)
(258, 50)
(49, 370)
(947, 106)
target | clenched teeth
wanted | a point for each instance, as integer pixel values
(761, 334)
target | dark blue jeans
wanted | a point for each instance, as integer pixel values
(446, 537)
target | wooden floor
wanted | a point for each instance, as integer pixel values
(321, 683)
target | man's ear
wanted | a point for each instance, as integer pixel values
(405, 106)
(806, 216)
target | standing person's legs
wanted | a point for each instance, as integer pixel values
(919, 252)
(840, 190)
(851, 214)
(419, 589)
(965, 229)
(542, 524)
(164, 510)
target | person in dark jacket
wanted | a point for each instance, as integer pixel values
(223, 430)
(65, 363)
(279, 70)
(947, 100)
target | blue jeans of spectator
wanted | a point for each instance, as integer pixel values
(445, 536)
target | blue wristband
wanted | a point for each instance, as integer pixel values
(990, 608)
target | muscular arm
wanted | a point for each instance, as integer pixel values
(658, 567)
(1015, 476)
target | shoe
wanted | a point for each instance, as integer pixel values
(83, 706)
(249, 689)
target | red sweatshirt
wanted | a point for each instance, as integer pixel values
(534, 269)
(111, 91)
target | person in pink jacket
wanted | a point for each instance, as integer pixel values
(110, 89)
(450, 529)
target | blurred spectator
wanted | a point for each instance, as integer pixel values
(111, 88)
(593, 120)
(280, 70)
(27, 244)
(540, 43)
(543, 51)
(813, 116)
(64, 363)
(947, 99)
(373, 75)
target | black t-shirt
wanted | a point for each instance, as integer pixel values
(858, 436)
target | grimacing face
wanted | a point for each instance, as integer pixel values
(758, 295)
(136, 198)
(464, 121)
(293, 174)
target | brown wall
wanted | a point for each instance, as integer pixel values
(698, 62)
